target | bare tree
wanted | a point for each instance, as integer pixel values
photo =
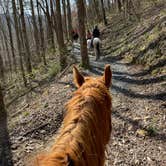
(25, 38)
(35, 28)
(2, 75)
(2, 105)
(64, 18)
(5, 8)
(50, 33)
(17, 30)
(5, 40)
(41, 36)
(62, 47)
(69, 21)
(82, 33)
(103, 12)
(96, 7)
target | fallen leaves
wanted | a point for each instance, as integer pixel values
(141, 132)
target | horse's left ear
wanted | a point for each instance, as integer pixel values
(78, 78)
(107, 77)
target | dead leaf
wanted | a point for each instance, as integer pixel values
(141, 132)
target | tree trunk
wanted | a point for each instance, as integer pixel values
(2, 105)
(53, 17)
(16, 24)
(96, 7)
(25, 37)
(69, 21)
(109, 5)
(64, 18)
(6, 47)
(42, 44)
(11, 40)
(50, 33)
(103, 12)
(82, 33)
(62, 47)
(1, 67)
(119, 5)
(36, 32)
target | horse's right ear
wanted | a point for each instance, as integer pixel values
(70, 161)
(107, 77)
(78, 78)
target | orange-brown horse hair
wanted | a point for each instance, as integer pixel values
(86, 127)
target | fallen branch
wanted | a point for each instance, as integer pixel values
(63, 72)
(19, 111)
(35, 129)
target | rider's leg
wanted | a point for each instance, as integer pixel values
(98, 51)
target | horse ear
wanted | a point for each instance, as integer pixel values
(107, 77)
(70, 161)
(78, 78)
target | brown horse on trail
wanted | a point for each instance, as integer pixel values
(86, 127)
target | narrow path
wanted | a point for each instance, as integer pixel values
(139, 114)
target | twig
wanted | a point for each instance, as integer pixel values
(34, 129)
(63, 72)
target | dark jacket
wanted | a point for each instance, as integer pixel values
(96, 33)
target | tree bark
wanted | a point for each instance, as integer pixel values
(11, 40)
(41, 36)
(96, 7)
(69, 21)
(103, 12)
(2, 105)
(25, 37)
(82, 33)
(50, 33)
(16, 24)
(2, 76)
(119, 5)
(35, 29)
(5, 40)
(64, 18)
(62, 47)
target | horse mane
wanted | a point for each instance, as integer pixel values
(85, 130)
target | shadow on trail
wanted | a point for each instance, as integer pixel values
(129, 93)
(137, 125)
(112, 59)
(126, 92)
(121, 76)
(5, 147)
(142, 81)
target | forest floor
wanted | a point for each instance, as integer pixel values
(138, 117)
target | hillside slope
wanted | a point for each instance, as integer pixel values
(141, 42)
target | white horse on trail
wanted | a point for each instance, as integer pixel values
(96, 46)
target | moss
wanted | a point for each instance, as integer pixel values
(53, 70)
(151, 130)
